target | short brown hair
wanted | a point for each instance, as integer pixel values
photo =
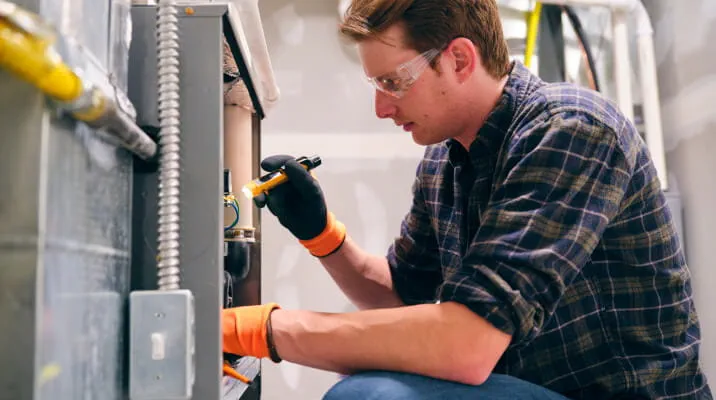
(433, 24)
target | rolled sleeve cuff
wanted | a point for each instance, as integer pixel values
(513, 315)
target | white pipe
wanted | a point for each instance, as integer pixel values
(650, 93)
(622, 63)
(238, 146)
(259, 56)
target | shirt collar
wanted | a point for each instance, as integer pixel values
(489, 138)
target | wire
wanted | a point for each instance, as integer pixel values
(584, 40)
(234, 204)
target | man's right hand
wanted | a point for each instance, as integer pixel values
(299, 203)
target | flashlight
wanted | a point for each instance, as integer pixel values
(272, 179)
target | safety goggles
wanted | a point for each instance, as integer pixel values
(397, 83)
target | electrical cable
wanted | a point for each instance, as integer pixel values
(235, 207)
(584, 40)
(232, 202)
(168, 263)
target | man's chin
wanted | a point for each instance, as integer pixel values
(424, 140)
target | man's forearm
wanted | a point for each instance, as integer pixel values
(363, 277)
(444, 341)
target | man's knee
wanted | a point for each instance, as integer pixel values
(371, 386)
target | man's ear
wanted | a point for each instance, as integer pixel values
(464, 58)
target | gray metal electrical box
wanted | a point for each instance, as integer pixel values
(201, 237)
(202, 29)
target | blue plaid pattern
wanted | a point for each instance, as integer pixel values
(554, 228)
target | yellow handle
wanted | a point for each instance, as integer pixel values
(257, 186)
(33, 60)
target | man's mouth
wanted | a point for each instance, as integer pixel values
(408, 126)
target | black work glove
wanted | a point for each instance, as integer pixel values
(298, 203)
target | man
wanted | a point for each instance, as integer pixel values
(538, 259)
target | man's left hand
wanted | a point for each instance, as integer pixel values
(245, 330)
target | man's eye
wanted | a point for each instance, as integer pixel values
(390, 84)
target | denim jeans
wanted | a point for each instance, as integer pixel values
(398, 386)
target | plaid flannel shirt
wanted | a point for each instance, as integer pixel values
(553, 227)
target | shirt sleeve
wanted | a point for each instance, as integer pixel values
(561, 184)
(414, 256)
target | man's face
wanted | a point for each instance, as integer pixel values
(423, 107)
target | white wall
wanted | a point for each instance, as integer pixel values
(368, 165)
(686, 55)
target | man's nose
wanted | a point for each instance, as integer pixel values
(384, 106)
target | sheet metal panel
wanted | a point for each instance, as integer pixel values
(65, 237)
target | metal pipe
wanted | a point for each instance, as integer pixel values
(26, 50)
(94, 110)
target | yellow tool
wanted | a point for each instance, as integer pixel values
(228, 370)
(265, 183)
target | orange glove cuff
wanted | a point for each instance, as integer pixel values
(329, 240)
(244, 330)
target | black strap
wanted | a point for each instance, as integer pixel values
(273, 353)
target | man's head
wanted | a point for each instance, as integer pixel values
(433, 62)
